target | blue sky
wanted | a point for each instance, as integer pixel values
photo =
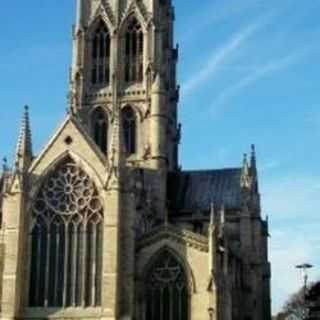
(249, 73)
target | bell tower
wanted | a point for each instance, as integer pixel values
(124, 58)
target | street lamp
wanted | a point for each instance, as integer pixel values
(304, 270)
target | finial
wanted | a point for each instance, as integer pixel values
(253, 161)
(245, 160)
(5, 164)
(245, 173)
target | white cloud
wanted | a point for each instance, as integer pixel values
(213, 14)
(218, 57)
(259, 73)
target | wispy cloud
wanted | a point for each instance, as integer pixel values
(256, 75)
(219, 57)
(211, 15)
(216, 59)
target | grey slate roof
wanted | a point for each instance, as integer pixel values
(189, 191)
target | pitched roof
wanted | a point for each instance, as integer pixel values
(189, 191)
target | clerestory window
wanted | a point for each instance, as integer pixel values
(100, 69)
(66, 241)
(134, 52)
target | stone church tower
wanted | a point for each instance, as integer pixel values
(103, 223)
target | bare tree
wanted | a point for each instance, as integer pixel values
(295, 307)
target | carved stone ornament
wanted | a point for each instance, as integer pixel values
(70, 193)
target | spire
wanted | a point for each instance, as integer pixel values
(245, 164)
(24, 145)
(245, 173)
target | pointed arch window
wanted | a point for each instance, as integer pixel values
(129, 129)
(166, 291)
(100, 129)
(66, 241)
(134, 52)
(100, 71)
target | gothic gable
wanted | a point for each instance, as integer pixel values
(104, 12)
(138, 9)
(70, 139)
(178, 235)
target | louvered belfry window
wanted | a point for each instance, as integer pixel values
(100, 71)
(134, 52)
(167, 290)
(66, 241)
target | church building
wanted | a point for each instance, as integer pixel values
(103, 223)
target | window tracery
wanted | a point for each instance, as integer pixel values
(129, 129)
(100, 129)
(100, 71)
(134, 52)
(66, 241)
(167, 290)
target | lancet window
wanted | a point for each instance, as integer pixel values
(100, 129)
(129, 129)
(134, 52)
(167, 290)
(66, 241)
(100, 71)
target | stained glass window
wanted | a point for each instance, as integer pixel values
(66, 241)
(167, 290)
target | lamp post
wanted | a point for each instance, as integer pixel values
(304, 270)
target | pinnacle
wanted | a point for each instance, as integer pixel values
(24, 145)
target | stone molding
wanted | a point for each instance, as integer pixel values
(176, 234)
